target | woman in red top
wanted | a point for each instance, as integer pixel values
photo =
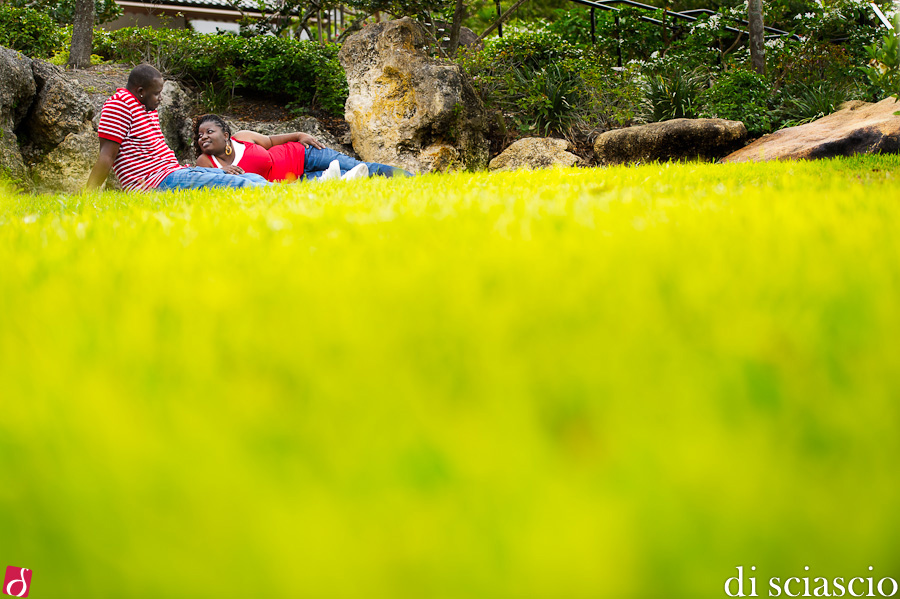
(285, 157)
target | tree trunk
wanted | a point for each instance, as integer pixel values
(82, 34)
(458, 15)
(319, 26)
(757, 36)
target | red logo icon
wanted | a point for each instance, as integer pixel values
(17, 581)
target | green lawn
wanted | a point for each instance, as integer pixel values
(596, 383)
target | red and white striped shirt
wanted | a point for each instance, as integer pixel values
(144, 157)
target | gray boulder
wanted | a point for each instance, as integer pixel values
(60, 108)
(678, 139)
(407, 109)
(66, 167)
(858, 128)
(17, 89)
(176, 109)
(62, 143)
(535, 152)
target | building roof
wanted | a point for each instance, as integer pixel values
(199, 8)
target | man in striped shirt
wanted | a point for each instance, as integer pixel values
(132, 144)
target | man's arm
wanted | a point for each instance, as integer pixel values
(108, 152)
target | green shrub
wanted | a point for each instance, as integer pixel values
(852, 23)
(29, 31)
(63, 11)
(673, 94)
(809, 62)
(740, 95)
(883, 72)
(300, 72)
(805, 102)
(536, 49)
(544, 84)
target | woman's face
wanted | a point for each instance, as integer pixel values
(211, 138)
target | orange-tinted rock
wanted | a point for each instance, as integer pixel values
(407, 109)
(535, 152)
(858, 128)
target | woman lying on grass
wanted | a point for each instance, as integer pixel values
(285, 157)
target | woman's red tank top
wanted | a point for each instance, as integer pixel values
(281, 163)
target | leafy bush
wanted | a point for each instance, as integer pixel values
(549, 98)
(883, 72)
(852, 23)
(29, 31)
(535, 49)
(740, 95)
(673, 94)
(805, 102)
(544, 84)
(809, 62)
(63, 11)
(302, 72)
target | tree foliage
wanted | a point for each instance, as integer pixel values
(63, 11)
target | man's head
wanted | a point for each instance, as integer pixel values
(146, 83)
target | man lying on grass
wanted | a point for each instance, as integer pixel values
(132, 144)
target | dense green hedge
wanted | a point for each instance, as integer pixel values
(29, 31)
(303, 73)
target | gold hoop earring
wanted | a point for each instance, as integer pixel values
(228, 149)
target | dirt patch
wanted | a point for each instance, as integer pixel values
(101, 81)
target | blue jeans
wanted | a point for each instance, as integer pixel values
(198, 177)
(318, 160)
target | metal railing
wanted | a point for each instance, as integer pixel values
(685, 15)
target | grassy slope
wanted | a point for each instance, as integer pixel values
(581, 383)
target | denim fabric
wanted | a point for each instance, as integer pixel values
(318, 160)
(198, 177)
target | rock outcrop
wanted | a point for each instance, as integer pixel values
(678, 139)
(535, 152)
(176, 108)
(62, 142)
(65, 168)
(17, 89)
(858, 128)
(407, 109)
(60, 108)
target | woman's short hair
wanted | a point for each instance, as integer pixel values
(207, 118)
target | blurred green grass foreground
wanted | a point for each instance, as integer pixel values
(596, 383)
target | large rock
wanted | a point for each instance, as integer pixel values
(17, 89)
(535, 152)
(678, 139)
(65, 168)
(858, 128)
(177, 106)
(62, 143)
(60, 108)
(406, 109)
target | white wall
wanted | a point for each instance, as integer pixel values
(213, 26)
